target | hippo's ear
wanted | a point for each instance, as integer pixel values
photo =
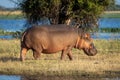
(87, 35)
(83, 34)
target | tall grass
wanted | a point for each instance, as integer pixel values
(105, 64)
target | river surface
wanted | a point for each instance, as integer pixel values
(13, 25)
(10, 77)
(109, 23)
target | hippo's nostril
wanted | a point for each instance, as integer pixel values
(90, 52)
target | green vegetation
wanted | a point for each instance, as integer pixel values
(110, 15)
(108, 46)
(2, 32)
(9, 16)
(110, 30)
(105, 30)
(84, 12)
(20, 16)
(13, 34)
(16, 34)
(105, 64)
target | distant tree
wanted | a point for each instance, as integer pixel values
(83, 12)
(112, 6)
(2, 8)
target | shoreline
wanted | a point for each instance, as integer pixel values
(112, 12)
(18, 14)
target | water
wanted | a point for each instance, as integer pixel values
(12, 24)
(9, 77)
(18, 24)
(106, 35)
(109, 23)
(6, 37)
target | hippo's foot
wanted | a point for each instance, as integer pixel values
(22, 59)
(36, 57)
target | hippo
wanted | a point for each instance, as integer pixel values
(50, 39)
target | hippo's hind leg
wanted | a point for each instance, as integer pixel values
(37, 52)
(23, 53)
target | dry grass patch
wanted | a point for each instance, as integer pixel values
(10, 12)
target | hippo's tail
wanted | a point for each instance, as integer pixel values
(23, 35)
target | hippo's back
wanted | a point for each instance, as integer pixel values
(50, 38)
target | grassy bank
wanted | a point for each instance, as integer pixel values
(18, 14)
(105, 64)
(2, 32)
(110, 30)
(11, 15)
(15, 34)
(111, 14)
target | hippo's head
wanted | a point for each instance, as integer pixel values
(86, 44)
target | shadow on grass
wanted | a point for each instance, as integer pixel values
(112, 74)
(58, 78)
(109, 75)
(6, 59)
(74, 76)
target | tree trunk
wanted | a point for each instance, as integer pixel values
(68, 21)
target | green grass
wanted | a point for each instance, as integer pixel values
(110, 15)
(11, 16)
(110, 30)
(105, 64)
(16, 34)
(8, 15)
(108, 46)
(2, 32)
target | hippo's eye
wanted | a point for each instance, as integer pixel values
(86, 38)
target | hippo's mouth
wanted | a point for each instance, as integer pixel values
(90, 52)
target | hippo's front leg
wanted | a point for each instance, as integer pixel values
(68, 52)
(63, 54)
(70, 55)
